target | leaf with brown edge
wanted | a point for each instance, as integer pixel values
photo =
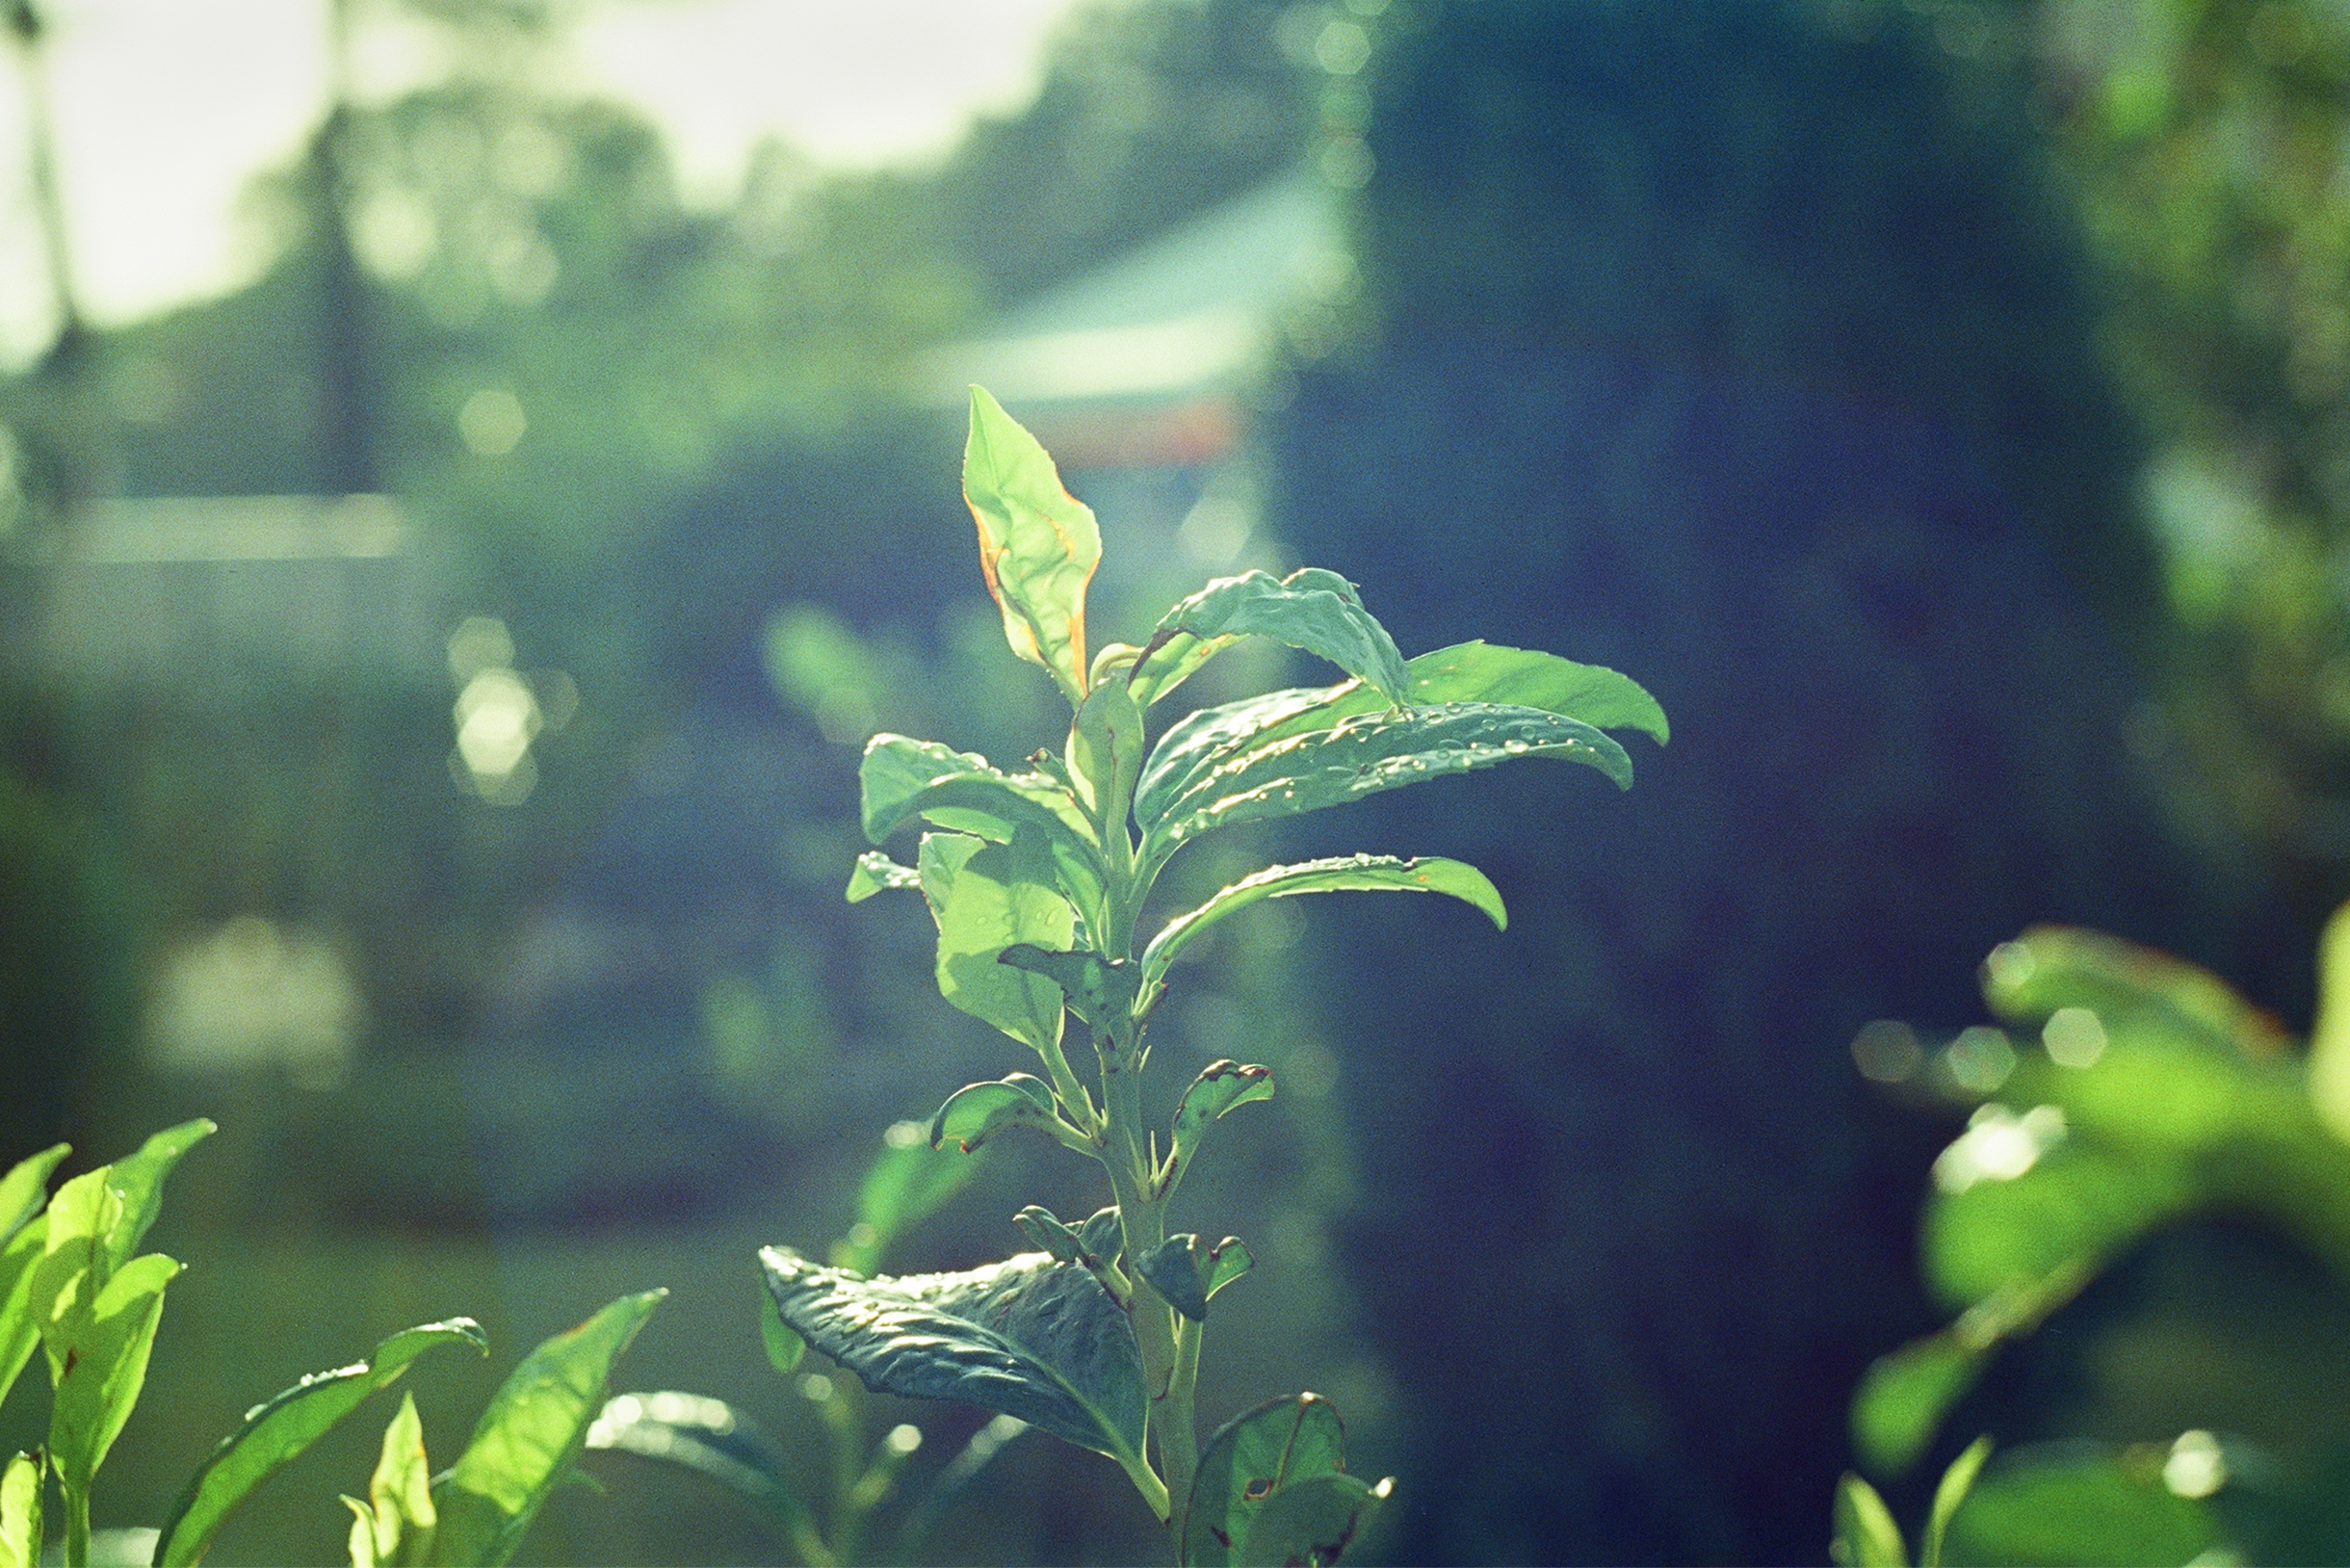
(1038, 545)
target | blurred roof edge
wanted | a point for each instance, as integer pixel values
(1141, 361)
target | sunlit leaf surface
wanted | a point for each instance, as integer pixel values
(1338, 874)
(1038, 545)
(528, 1438)
(1316, 611)
(987, 898)
(1028, 1336)
(1252, 1457)
(278, 1429)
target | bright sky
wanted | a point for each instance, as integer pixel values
(166, 108)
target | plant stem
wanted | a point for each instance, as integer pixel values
(77, 1527)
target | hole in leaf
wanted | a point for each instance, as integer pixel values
(1257, 1489)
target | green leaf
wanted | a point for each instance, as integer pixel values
(1465, 672)
(528, 1438)
(901, 779)
(1028, 1336)
(361, 1542)
(2130, 988)
(877, 873)
(1099, 990)
(979, 1111)
(1865, 1534)
(105, 1366)
(1189, 1275)
(711, 1438)
(1250, 1458)
(138, 1181)
(1103, 753)
(1905, 1395)
(2062, 1508)
(74, 1263)
(402, 1515)
(987, 898)
(1258, 780)
(1316, 611)
(1310, 1523)
(20, 1512)
(1038, 545)
(19, 1332)
(784, 1349)
(1221, 1087)
(1092, 1245)
(2078, 1205)
(1337, 873)
(908, 1181)
(26, 1187)
(279, 1428)
(1948, 1494)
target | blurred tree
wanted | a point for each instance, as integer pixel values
(1741, 347)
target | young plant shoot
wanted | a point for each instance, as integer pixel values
(1038, 881)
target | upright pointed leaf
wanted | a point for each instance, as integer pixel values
(987, 898)
(401, 1515)
(1865, 1534)
(1311, 1521)
(530, 1436)
(1948, 1494)
(20, 1512)
(138, 1181)
(19, 1332)
(75, 1263)
(1259, 780)
(279, 1428)
(105, 1366)
(1028, 1336)
(1338, 874)
(1038, 545)
(1313, 610)
(1250, 1458)
(26, 1187)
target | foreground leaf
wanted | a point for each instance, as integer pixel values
(1259, 781)
(1100, 990)
(1952, 1491)
(279, 1428)
(531, 1435)
(20, 1512)
(19, 1333)
(26, 1187)
(1028, 1336)
(396, 1525)
(105, 1366)
(901, 779)
(1310, 1523)
(1865, 1534)
(987, 898)
(1338, 874)
(877, 873)
(1313, 610)
(1188, 1274)
(1038, 545)
(2130, 988)
(1250, 1459)
(137, 1180)
(979, 1111)
(2062, 1508)
(1222, 1086)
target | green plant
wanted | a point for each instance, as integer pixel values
(831, 1520)
(1039, 882)
(2154, 1097)
(72, 1284)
